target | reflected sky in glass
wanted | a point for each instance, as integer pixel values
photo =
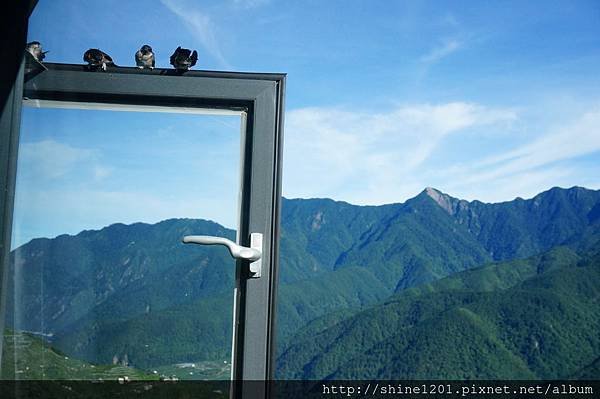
(86, 169)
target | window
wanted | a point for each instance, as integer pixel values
(142, 144)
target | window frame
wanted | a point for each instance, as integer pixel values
(260, 98)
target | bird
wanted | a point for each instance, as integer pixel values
(97, 59)
(35, 49)
(183, 59)
(144, 57)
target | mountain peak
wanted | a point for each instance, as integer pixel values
(445, 201)
(432, 191)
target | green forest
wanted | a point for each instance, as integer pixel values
(432, 288)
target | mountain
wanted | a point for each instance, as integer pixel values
(525, 319)
(27, 357)
(424, 239)
(589, 372)
(185, 333)
(429, 236)
(434, 235)
(118, 272)
(521, 227)
(420, 242)
(314, 232)
(135, 291)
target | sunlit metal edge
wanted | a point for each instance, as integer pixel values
(34, 103)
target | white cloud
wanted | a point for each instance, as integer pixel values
(450, 20)
(371, 157)
(535, 165)
(525, 184)
(580, 137)
(391, 156)
(101, 172)
(441, 51)
(51, 159)
(48, 160)
(247, 4)
(201, 26)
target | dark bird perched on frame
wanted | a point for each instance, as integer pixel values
(183, 59)
(35, 49)
(97, 59)
(144, 57)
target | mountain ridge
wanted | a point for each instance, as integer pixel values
(102, 284)
(430, 189)
(432, 192)
(514, 320)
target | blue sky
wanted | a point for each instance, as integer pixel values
(87, 169)
(482, 100)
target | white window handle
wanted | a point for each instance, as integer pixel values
(252, 254)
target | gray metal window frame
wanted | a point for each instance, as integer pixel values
(261, 98)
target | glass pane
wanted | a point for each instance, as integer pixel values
(103, 287)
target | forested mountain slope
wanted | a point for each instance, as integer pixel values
(135, 289)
